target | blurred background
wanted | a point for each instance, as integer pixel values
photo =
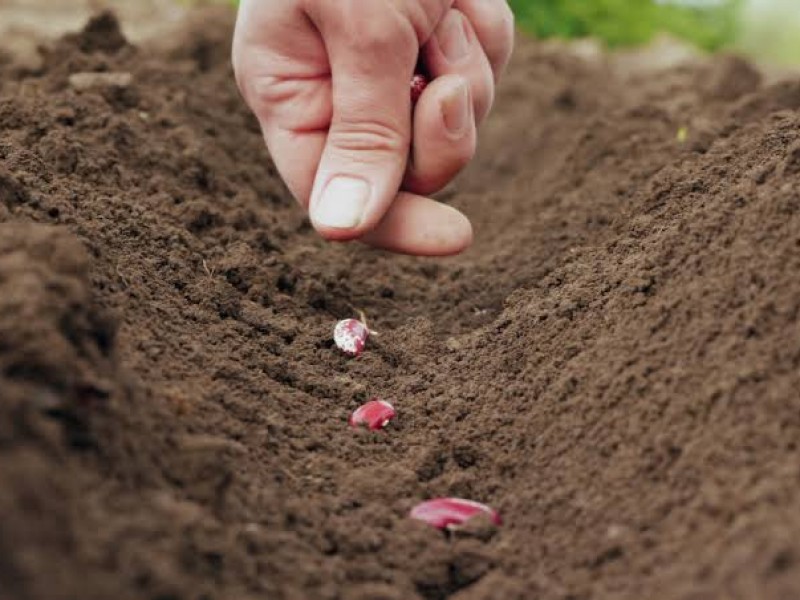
(766, 30)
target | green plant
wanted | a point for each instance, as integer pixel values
(629, 22)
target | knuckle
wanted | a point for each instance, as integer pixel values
(501, 24)
(375, 30)
(382, 41)
(499, 30)
(264, 92)
(368, 136)
(260, 91)
(243, 72)
(424, 17)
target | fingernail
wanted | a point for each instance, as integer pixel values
(342, 204)
(455, 109)
(452, 37)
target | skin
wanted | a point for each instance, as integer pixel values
(328, 81)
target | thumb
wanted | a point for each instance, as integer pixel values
(372, 53)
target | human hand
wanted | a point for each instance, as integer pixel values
(329, 82)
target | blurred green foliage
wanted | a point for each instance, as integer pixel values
(629, 22)
(771, 31)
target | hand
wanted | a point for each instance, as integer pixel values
(329, 82)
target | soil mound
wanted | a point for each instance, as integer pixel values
(614, 366)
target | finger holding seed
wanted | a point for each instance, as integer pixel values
(329, 83)
(445, 136)
(456, 49)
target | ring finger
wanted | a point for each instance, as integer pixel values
(493, 22)
(455, 49)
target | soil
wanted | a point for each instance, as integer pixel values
(24, 24)
(614, 365)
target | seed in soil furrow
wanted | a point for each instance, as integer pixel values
(374, 415)
(350, 336)
(450, 513)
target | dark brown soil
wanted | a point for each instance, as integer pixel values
(615, 365)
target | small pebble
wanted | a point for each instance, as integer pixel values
(90, 80)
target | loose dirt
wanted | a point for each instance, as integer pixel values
(614, 366)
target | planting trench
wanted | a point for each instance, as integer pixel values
(614, 366)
